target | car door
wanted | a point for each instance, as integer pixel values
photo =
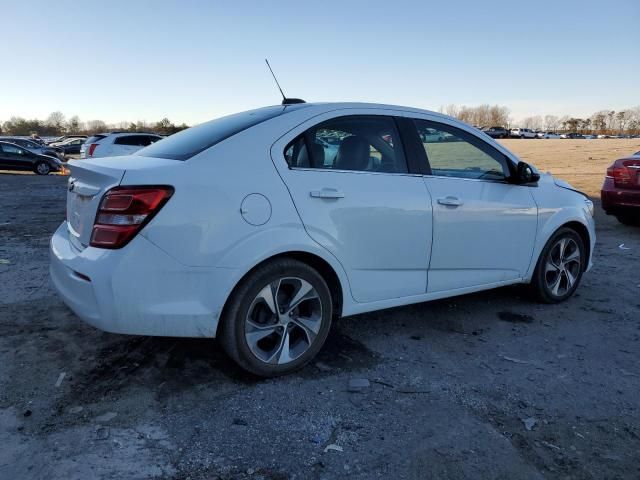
(17, 158)
(484, 227)
(350, 183)
(75, 146)
(5, 160)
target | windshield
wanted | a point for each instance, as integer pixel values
(190, 142)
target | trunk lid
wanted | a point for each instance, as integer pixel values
(91, 178)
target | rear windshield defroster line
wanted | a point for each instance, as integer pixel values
(187, 143)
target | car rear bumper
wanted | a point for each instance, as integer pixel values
(618, 200)
(138, 289)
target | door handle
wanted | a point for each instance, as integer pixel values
(326, 193)
(450, 201)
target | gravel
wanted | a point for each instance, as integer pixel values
(452, 386)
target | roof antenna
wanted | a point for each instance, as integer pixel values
(285, 100)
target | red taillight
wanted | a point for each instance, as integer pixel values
(123, 212)
(92, 148)
(620, 174)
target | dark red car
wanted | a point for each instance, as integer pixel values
(621, 190)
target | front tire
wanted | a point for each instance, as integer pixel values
(560, 267)
(42, 168)
(277, 319)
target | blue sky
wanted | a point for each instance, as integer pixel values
(195, 60)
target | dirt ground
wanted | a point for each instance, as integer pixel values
(581, 162)
(489, 385)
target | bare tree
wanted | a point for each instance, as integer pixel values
(533, 123)
(562, 122)
(482, 115)
(550, 123)
(56, 121)
(599, 121)
(452, 110)
(622, 118)
(74, 125)
(610, 116)
(96, 126)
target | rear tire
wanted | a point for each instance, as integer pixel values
(560, 267)
(42, 168)
(268, 343)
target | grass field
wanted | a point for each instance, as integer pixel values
(583, 163)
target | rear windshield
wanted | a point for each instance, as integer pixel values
(190, 142)
(95, 138)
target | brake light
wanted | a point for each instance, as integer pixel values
(620, 174)
(92, 148)
(123, 212)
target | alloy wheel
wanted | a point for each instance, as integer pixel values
(42, 168)
(562, 267)
(283, 320)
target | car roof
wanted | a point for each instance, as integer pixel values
(315, 108)
(128, 133)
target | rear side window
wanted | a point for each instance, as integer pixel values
(136, 140)
(359, 143)
(189, 142)
(7, 148)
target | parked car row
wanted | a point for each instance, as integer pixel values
(114, 144)
(35, 147)
(501, 132)
(65, 138)
(22, 153)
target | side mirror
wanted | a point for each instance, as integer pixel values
(525, 174)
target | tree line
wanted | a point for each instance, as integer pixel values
(605, 122)
(57, 124)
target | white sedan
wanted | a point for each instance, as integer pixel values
(551, 135)
(241, 228)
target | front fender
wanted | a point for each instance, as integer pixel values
(550, 219)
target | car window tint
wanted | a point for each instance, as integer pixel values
(359, 143)
(189, 142)
(151, 139)
(129, 140)
(8, 148)
(455, 153)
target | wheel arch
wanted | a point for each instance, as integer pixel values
(583, 232)
(324, 268)
(550, 228)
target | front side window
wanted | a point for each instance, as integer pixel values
(455, 153)
(12, 149)
(357, 143)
